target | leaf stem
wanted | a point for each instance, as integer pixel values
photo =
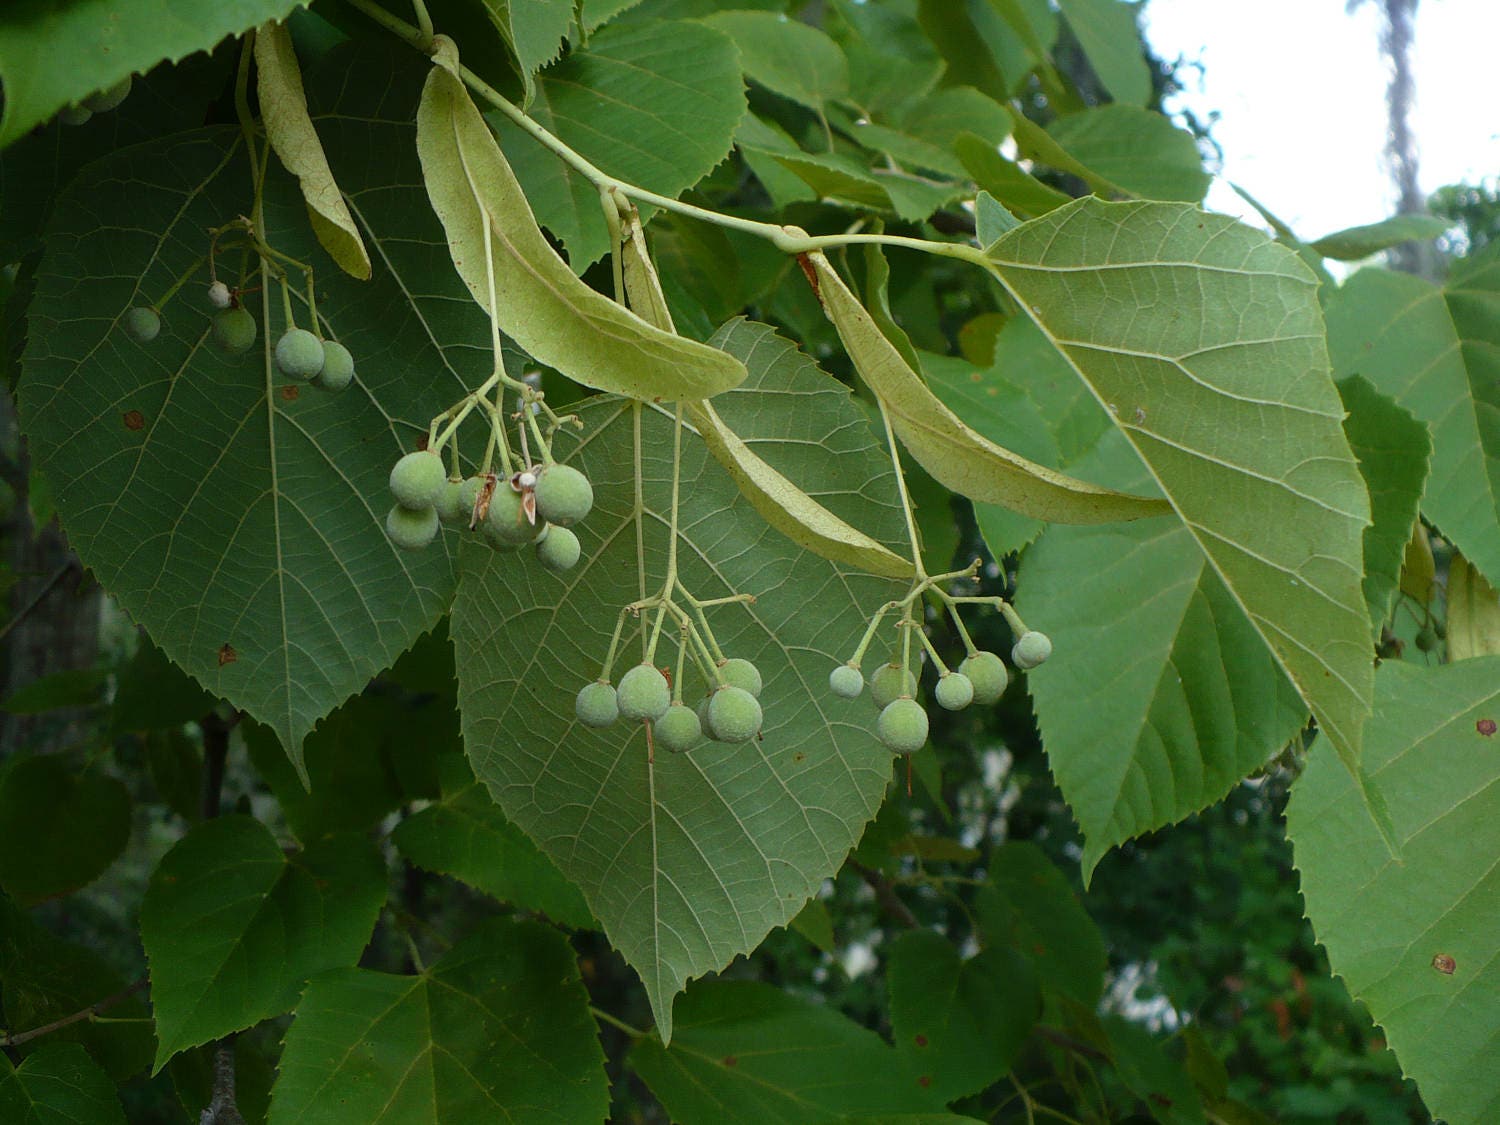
(911, 526)
(620, 1025)
(91, 1013)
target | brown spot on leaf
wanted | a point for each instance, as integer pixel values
(291, 392)
(730, 1060)
(133, 419)
(799, 756)
(1444, 964)
(227, 655)
(1161, 1100)
(925, 1080)
(921, 1040)
(1485, 727)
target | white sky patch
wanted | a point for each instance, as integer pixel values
(1300, 88)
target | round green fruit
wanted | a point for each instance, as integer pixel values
(505, 524)
(705, 723)
(450, 503)
(75, 114)
(563, 495)
(954, 692)
(740, 673)
(902, 726)
(411, 530)
(597, 705)
(299, 354)
(987, 673)
(889, 683)
(679, 729)
(734, 714)
(337, 371)
(142, 324)
(234, 330)
(105, 100)
(468, 496)
(644, 693)
(558, 549)
(1032, 649)
(846, 681)
(1427, 638)
(417, 480)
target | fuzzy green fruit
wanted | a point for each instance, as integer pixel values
(450, 504)
(1032, 649)
(299, 354)
(846, 681)
(987, 673)
(954, 692)
(558, 549)
(679, 729)
(75, 114)
(505, 524)
(105, 100)
(705, 722)
(889, 683)
(902, 726)
(740, 673)
(597, 705)
(644, 693)
(468, 496)
(142, 324)
(417, 480)
(735, 715)
(411, 530)
(338, 367)
(563, 495)
(234, 330)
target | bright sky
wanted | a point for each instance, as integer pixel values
(1300, 87)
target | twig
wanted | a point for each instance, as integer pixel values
(17, 1038)
(221, 1109)
(1068, 1043)
(885, 894)
(38, 597)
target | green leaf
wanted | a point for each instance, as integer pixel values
(1027, 905)
(103, 42)
(1224, 392)
(786, 56)
(152, 693)
(815, 923)
(991, 219)
(1432, 350)
(960, 1023)
(467, 836)
(498, 1029)
(1393, 450)
(778, 500)
(1107, 32)
(890, 59)
(74, 825)
(760, 143)
(842, 179)
(649, 843)
(953, 453)
(746, 1053)
(283, 107)
(1414, 940)
(511, 269)
(1143, 1064)
(533, 30)
(72, 687)
(923, 132)
(1138, 151)
(233, 927)
(1016, 188)
(1473, 612)
(44, 978)
(57, 1085)
(202, 472)
(1354, 243)
(1150, 708)
(653, 103)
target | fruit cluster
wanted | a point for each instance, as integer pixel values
(101, 101)
(730, 713)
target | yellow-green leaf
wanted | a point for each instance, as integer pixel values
(1418, 569)
(283, 108)
(535, 298)
(1473, 612)
(642, 285)
(953, 453)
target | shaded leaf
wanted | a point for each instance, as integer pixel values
(1226, 396)
(201, 471)
(746, 1052)
(104, 42)
(1415, 939)
(956, 455)
(844, 180)
(74, 824)
(541, 304)
(649, 844)
(815, 923)
(786, 56)
(1393, 450)
(1107, 32)
(1142, 1063)
(233, 927)
(72, 687)
(283, 108)
(498, 1029)
(57, 1085)
(152, 693)
(959, 1022)
(1473, 612)
(655, 103)
(923, 132)
(1137, 151)
(1012, 185)
(1418, 568)
(1354, 243)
